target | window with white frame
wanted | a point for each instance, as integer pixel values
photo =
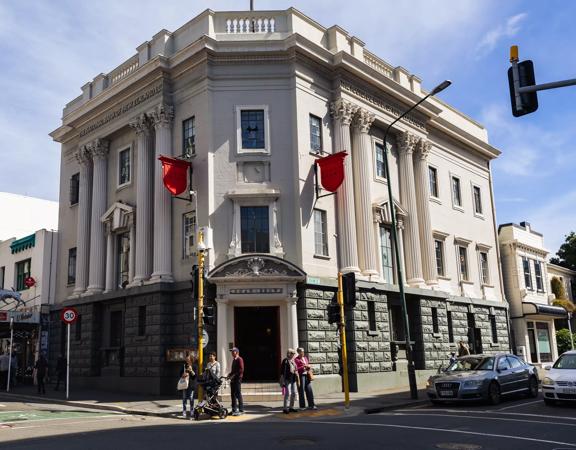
(315, 134)
(255, 229)
(380, 161)
(189, 136)
(386, 253)
(538, 273)
(22, 272)
(433, 180)
(439, 251)
(484, 270)
(124, 168)
(477, 199)
(189, 234)
(253, 129)
(527, 273)
(463, 262)
(320, 233)
(456, 192)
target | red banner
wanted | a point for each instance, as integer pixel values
(174, 174)
(332, 171)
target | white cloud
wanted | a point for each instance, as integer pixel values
(495, 35)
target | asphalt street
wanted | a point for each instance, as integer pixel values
(518, 424)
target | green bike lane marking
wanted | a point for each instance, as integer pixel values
(27, 416)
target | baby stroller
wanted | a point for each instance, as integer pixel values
(211, 405)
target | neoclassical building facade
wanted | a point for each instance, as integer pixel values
(253, 100)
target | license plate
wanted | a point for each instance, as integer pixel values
(446, 393)
(569, 391)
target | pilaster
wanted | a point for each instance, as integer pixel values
(84, 158)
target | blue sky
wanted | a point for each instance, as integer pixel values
(50, 48)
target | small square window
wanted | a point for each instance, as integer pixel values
(315, 134)
(189, 234)
(124, 169)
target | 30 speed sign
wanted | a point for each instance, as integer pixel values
(69, 315)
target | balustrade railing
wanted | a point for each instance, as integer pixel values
(241, 25)
(124, 70)
(376, 63)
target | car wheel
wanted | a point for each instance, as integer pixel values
(533, 387)
(494, 393)
(549, 402)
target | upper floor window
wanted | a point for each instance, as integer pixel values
(433, 179)
(320, 233)
(315, 134)
(477, 200)
(484, 270)
(252, 123)
(439, 250)
(380, 161)
(538, 273)
(122, 259)
(188, 234)
(463, 262)
(22, 272)
(189, 136)
(255, 229)
(74, 189)
(124, 169)
(387, 254)
(456, 192)
(527, 273)
(72, 265)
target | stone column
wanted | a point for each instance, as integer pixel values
(406, 145)
(109, 259)
(362, 164)
(84, 157)
(342, 112)
(222, 333)
(292, 320)
(132, 260)
(144, 194)
(97, 239)
(162, 262)
(423, 203)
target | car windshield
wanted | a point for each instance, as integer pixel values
(566, 362)
(471, 363)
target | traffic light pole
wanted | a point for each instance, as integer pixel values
(201, 257)
(342, 328)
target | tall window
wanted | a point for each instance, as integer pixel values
(433, 179)
(456, 192)
(2, 276)
(141, 320)
(450, 326)
(439, 249)
(252, 123)
(463, 261)
(435, 324)
(124, 167)
(538, 273)
(22, 272)
(189, 136)
(477, 200)
(74, 189)
(484, 270)
(188, 234)
(315, 134)
(380, 161)
(320, 233)
(255, 229)
(371, 316)
(527, 273)
(387, 255)
(493, 328)
(122, 259)
(72, 265)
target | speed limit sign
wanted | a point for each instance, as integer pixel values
(69, 315)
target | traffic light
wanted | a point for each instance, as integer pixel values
(333, 312)
(194, 282)
(208, 315)
(349, 289)
(527, 102)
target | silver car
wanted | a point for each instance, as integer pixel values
(483, 377)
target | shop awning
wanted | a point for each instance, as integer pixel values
(23, 244)
(530, 309)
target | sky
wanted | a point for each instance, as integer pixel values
(50, 48)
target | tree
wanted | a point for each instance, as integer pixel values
(563, 340)
(558, 289)
(566, 255)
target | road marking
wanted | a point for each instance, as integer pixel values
(503, 419)
(521, 404)
(77, 423)
(48, 419)
(443, 430)
(459, 411)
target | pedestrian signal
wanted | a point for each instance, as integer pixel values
(349, 289)
(334, 312)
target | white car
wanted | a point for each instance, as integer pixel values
(559, 384)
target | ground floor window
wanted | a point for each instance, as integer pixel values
(539, 341)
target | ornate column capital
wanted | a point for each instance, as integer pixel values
(423, 148)
(84, 154)
(162, 115)
(363, 120)
(343, 110)
(406, 142)
(100, 148)
(142, 124)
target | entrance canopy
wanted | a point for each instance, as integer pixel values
(533, 309)
(256, 267)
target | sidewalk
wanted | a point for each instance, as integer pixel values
(141, 404)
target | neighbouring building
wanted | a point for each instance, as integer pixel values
(567, 279)
(26, 215)
(527, 288)
(253, 99)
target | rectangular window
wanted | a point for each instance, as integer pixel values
(142, 321)
(371, 316)
(189, 136)
(387, 254)
(435, 325)
(78, 329)
(527, 274)
(315, 134)
(188, 234)
(22, 272)
(456, 192)
(255, 229)
(122, 259)
(72, 265)
(320, 233)
(252, 124)
(124, 167)
(538, 273)
(116, 329)
(494, 329)
(477, 200)
(544, 345)
(463, 261)
(380, 161)
(2, 276)
(433, 179)
(439, 249)
(450, 326)
(74, 189)
(484, 270)
(532, 342)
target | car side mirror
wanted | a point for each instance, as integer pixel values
(548, 367)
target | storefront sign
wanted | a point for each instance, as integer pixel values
(179, 354)
(20, 316)
(252, 291)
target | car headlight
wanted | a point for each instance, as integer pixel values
(548, 381)
(473, 383)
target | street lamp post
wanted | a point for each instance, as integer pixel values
(201, 259)
(399, 275)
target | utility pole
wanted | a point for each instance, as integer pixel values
(342, 328)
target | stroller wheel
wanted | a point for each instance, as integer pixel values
(196, 414)
(223, 413)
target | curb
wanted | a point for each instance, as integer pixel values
(397, 405)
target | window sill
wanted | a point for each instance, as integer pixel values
(466, 282)
(121, 187)
(488, 286)
(458, 208)
(326, 257)
(479, 216)
(494, 344)
(442, 277)
(248, 152)
(372, 333)
(380, 179)
(74, 204)
(435, 200)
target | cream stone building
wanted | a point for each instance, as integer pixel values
(253, 99)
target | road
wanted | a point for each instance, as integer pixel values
(520, 424)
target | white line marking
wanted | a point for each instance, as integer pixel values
(503, 419)
(443, 430)
(459, 411)
(521, 404)
(76, 423)
(48, 419)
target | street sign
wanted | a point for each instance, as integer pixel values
(69, 315)
(205, 339)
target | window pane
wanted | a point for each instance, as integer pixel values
(74, 188)
(433, 178)
(380, 161)
(435, 325)
(450, 327)
(371, 316)
(188, 234)
(439, 247)
(493, 329)
(538, 272)
(320, 236)
(463, 263)
(315, 133)
(72, 265)
(477, 200)
(122, 259)
(544, 347)
(255, 231)
(386, 252)
(141, 320)
(252, 123)
(484, 268)
(527, 273)
(456, 195)
(124, 167)
(189, 136)
(22, 272)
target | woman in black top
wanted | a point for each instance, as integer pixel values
(288, 380)
(188, 371)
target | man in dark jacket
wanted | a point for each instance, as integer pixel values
(235, 375)
(60, 371)
(41, 368)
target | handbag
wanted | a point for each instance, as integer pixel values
(182, 384)
(310, 375)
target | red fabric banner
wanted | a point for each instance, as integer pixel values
(332, 171)
(174, 174)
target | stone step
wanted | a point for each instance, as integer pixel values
(256, 392)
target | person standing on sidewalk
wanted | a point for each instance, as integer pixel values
(289, 380)
(41, 368)
(305, 377)
(212, 368)
(235, 375)
(4, 362)
(60, 371)
(189, 373)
